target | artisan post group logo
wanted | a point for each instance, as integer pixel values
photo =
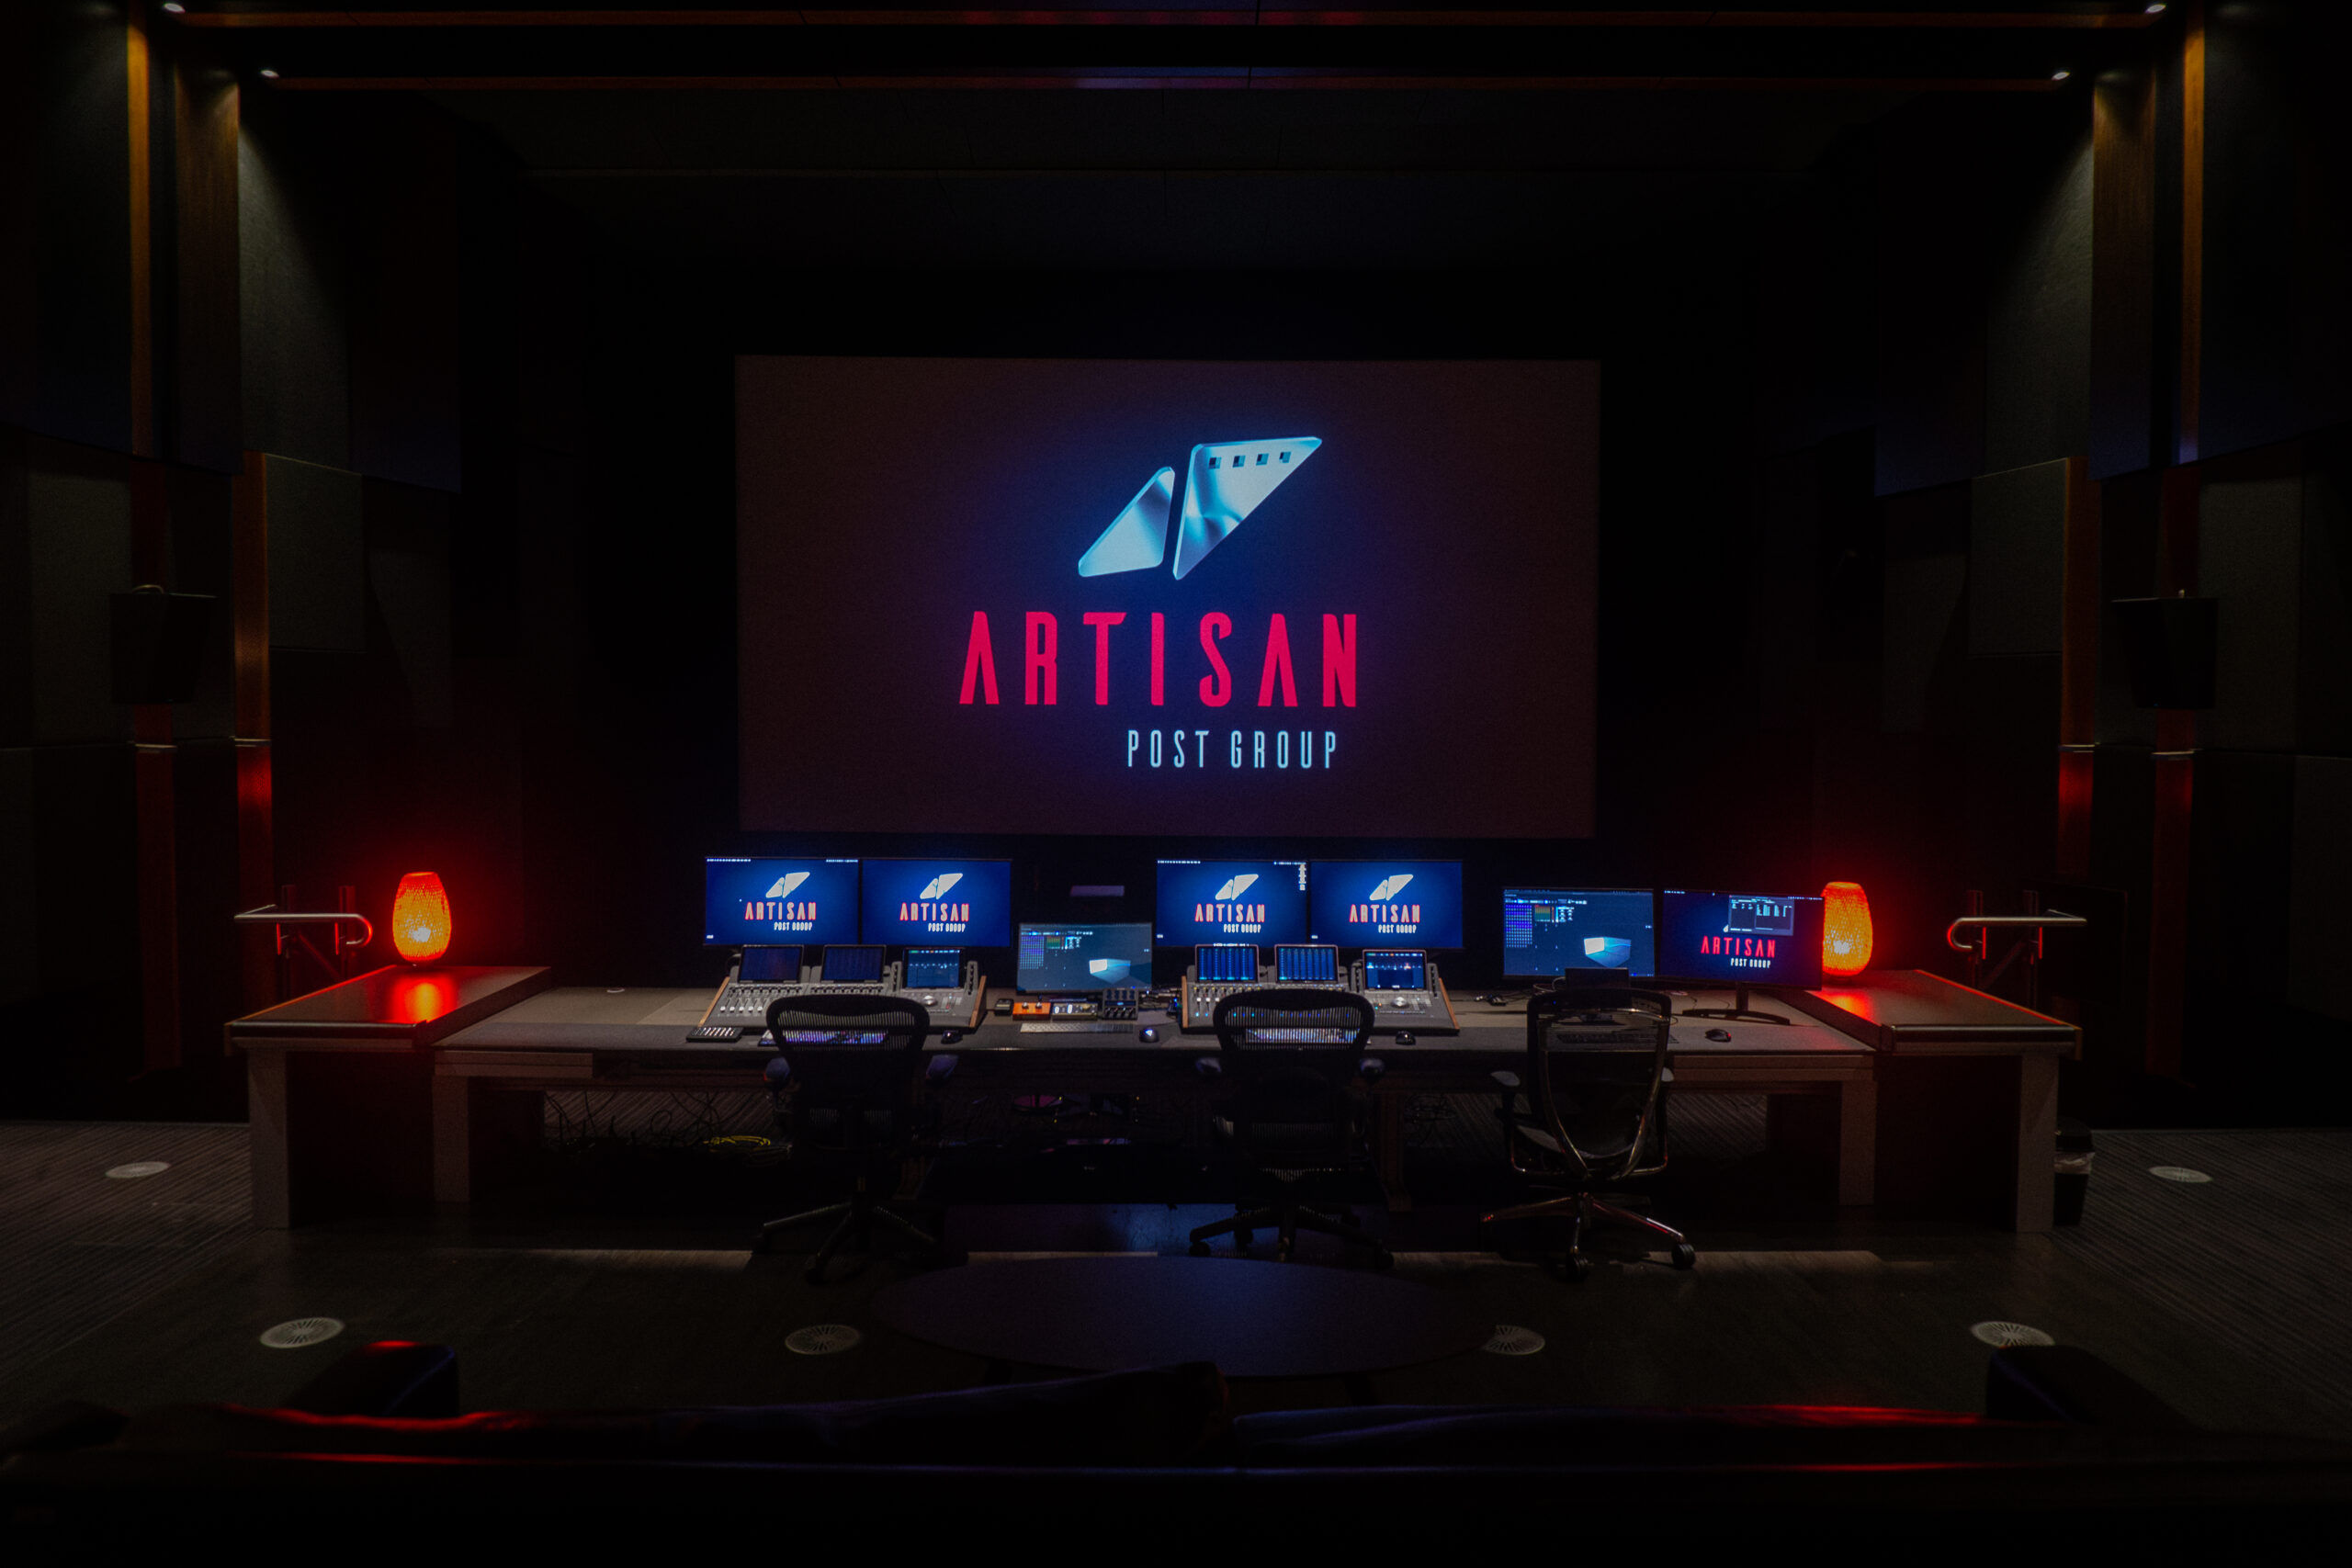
(1378, 909)
(780, 909)
(926, 909)
(1224, 481)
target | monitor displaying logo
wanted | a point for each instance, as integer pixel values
(770, 903)
(1203, 903)
(937, 903)
(1376, 903)
(1760, 939)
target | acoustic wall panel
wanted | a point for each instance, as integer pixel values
(318, 558)
(19, 894)
(2037, 324)
(2323, 628)
(2319, 916)
(2249, 542)
(2017, 560)
(77, 527)
(408, 579)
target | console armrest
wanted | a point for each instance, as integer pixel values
(392, 1377)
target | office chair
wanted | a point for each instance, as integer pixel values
(1293, 1060)
(846, 1086)
(1596, 1117)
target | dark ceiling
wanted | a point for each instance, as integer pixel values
(1169, 135)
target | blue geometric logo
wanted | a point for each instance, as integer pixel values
(1224, 481)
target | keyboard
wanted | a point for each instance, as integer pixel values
(1079, 1026)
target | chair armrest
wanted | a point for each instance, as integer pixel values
(1208, 1066)
(1506, 1081)
(777, 1072)
(1372, 1067)
(392, 1377)
(2066, 1382)
(939, 1069)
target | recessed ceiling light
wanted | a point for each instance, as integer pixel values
(268, 74)
(2054, 75)
(2154, 10)
(175, 8)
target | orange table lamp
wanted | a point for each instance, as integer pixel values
(1845, 929)
(421, 917)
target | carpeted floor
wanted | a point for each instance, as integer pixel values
(140, 1291)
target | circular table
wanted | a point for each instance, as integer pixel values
(1253, 1319)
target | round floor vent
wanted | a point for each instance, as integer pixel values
(2005, 1335)
(301, 1331)
(1510, 1339)
(2179, 1173)
(138, 1168)
(823, 1340)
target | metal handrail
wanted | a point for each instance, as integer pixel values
(271, 915)
(2048, 920)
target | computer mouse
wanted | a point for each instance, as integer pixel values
(1404, 1037)
(950, 1037)
(1148, 1035)
(1719, 1036)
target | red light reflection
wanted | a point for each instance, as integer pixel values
(422, 998)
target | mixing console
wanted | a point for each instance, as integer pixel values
(949, 989)
(1402, 984)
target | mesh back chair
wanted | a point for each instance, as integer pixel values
(1595, 1116)
(1292, 1062)
(846, 1083)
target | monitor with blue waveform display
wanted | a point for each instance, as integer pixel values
(1551, 932)
(774, 903)
(1757, 938)
(1082, 957)
(926, 903)
(1261, 902)
(1385, 903)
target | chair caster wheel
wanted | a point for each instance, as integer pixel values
(1200, 1249)
(1579, 1269)
(1686, 1256)
(1382, 1259)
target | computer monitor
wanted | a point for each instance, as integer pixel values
(908, 902)
(1551, 932)
(1257, 901)
(1304, 966)
(853, 965)
(1224, 963)
(1076, 956)
(1741, 938)
(1382, 903)
(929, 968)
(770, 965)
(764, 902)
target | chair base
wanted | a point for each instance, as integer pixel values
(1286, 1220)
(854, 1218)
(1583, 1211)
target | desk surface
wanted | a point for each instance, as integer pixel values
(1913, 1011)
(654, 1021)
(395, 1006)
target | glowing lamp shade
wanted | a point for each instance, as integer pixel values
(1845, 929)
(421, 917)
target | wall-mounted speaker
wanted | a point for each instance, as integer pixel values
(158, 644)
(2169, 645)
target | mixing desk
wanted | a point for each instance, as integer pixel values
(948, 986)
(1402, 984)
